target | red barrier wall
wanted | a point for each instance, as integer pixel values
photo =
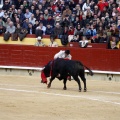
(32, 56)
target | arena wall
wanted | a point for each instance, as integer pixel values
(32, 56)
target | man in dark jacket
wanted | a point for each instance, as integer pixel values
(30, 29)
(49, 30)
(58, 30)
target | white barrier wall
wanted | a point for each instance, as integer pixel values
(31, 71)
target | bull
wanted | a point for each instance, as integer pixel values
(64, 68)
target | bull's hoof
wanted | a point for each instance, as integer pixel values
(85, 90)
(48, 86)
(80, 90)
(64, 88)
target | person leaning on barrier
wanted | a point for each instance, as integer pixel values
(63, 54)
(9, 31)
(19, 32)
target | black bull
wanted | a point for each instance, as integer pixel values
(64, 68)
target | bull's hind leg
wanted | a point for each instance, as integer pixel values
(78, 81)
(64, 81)
(84, 81)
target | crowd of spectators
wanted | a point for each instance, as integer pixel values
(97, 20)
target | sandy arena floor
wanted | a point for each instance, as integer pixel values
(25, 98)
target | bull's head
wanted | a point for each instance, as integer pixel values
(47, 69)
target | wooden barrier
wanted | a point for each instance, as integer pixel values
(32, 56)
(29, 40)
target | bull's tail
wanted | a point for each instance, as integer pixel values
(90, 71)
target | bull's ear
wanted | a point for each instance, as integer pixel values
(42, 68)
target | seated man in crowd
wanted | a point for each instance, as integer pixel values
(52, 42)
(84, 42)
(39, 42)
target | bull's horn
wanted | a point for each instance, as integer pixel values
(42, 68)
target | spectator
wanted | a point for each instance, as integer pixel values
(49, 30)
(72, 17)
(65, 21)
(2, 29)
(71, 30)
(95, 39)
(22, 9)
(58, 19)
(77, 10)
(57, 30)
(40, 8)
(1, 12)
(86, 5)
(6, 6)
(32, 19)
(52, 42)
(25, 23)
(101, 4)
(18, 3)
(87, 11)
(17, 21)
(10, 28)
(114, 43)
(32, 9)
(100, 31)
(50, 20)
(5, 17)
(2, 22)
(77, 21)
(42, 20)
(27, 13)
(104, 38)
(93, 31)
(118, 8)
(67, 11)
(14, 10)
(84, 21)
(50, 11)
(43, 28)
(34, 3)
(25, 4)
(18, 29)
(39, 31)
(87, 31)
(39, 42)
(114, 30)
(21, 15)
(44, 4)
(96, 11)
(14, 16)
(84, 42)
(78, 33)
(36, 24)
(46, 14)
(30, 29)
